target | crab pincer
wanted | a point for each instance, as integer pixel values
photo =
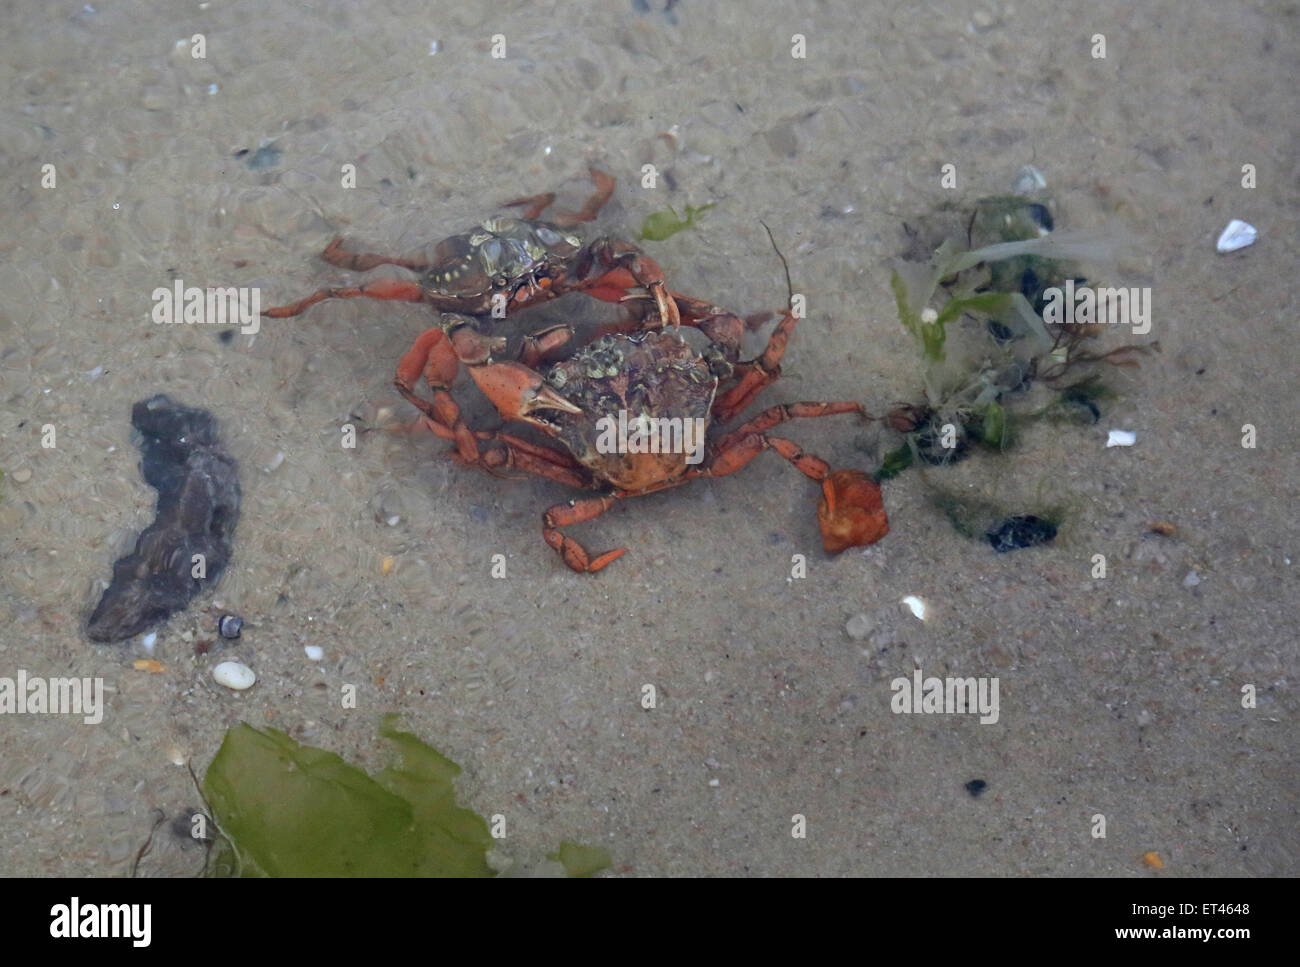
(850, 512)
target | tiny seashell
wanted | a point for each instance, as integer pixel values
(234, 675)
(915, 605)
(1237, 235)
(230, 625)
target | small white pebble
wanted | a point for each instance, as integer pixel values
(714, 782)
(22, 475)
(858, 627)
(1237, 235)
(394, 520)
(314, 652)
(915, 605)
(148, 641)
(1121, 438)
(929, 315)
(234, 675)
(1191, 580)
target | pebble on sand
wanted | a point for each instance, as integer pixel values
(234, 675)
(858, 627)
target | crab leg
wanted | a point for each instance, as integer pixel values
(562, 219)
(531, 458)
(394, 289)
(784, 412)
(737, 449)
(575, 512)
(755, 375)
(850, 512)
(432, 355)
(361, 262)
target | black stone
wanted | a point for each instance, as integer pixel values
(198, 507)
(1021, 531)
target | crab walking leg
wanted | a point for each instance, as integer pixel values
(756, 374)
(516, 454)
(363, 262)
(850, 512)
(784, 412)
(718, 326)
(431, 355)
(575, 512)
(393, 289)
(737, 449)
(562, 219)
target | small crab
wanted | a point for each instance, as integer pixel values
(507, 264)
(649, 382)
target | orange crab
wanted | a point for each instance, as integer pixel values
(507, 264)
(652, 382)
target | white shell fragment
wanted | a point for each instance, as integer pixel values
(234, 675)
(915, 605)
(314, 652)
(1237, 235)
(1121, 438)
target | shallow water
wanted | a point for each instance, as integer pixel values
(1120, 696)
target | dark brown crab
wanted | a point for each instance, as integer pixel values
(650, 380)
(507, 264)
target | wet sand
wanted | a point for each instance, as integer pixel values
(1120, 696)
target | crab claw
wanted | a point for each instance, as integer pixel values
(850, 512)
(517, 391)
(470, 346)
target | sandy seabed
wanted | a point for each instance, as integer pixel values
(1119, 696)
